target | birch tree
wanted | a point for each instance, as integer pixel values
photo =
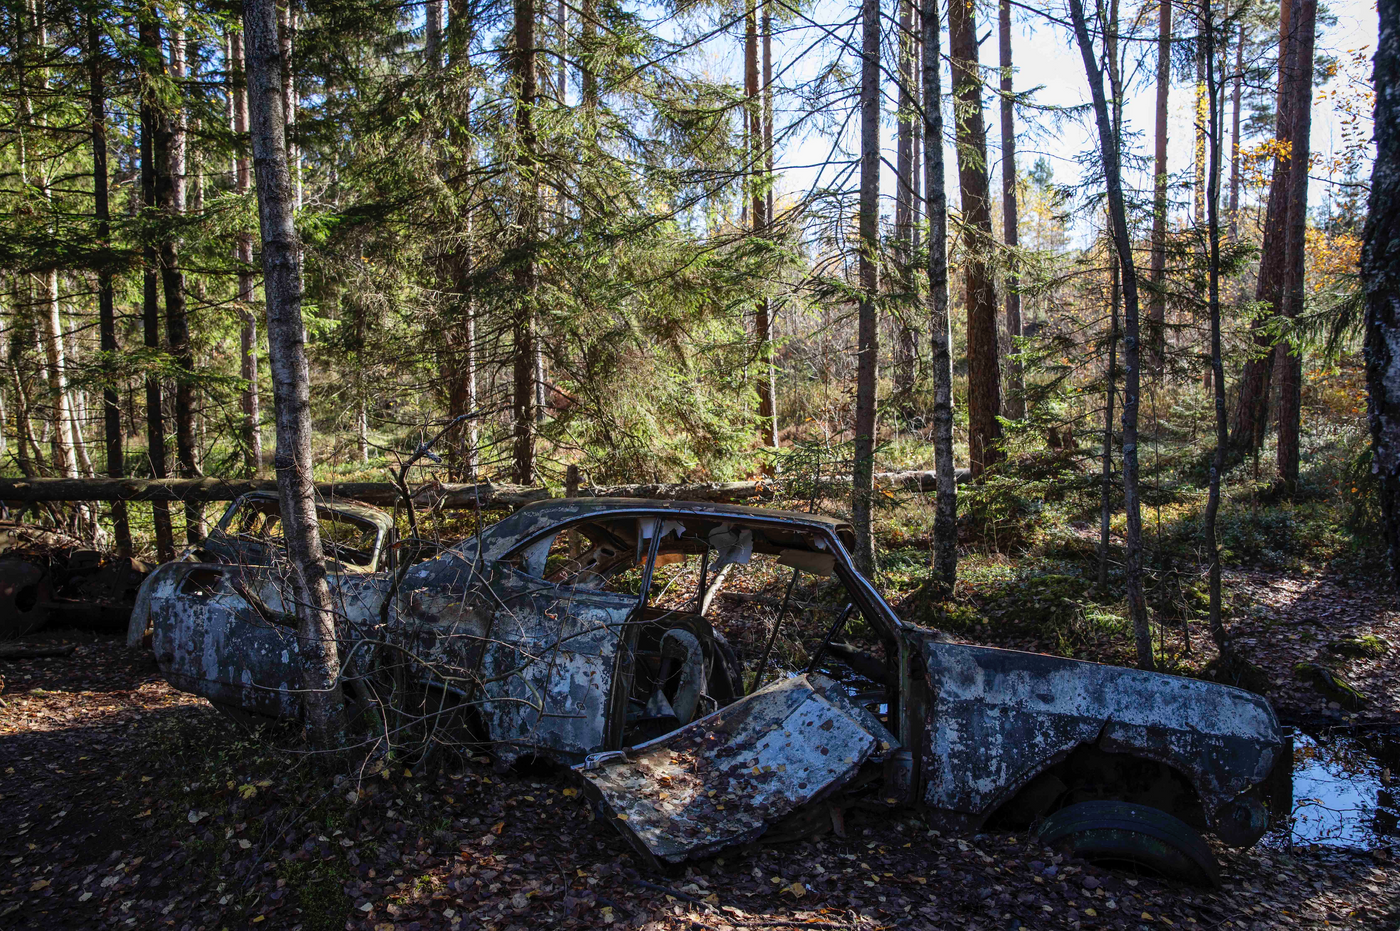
(945, 518)
(282, 285)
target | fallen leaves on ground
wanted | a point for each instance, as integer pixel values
(126, 805)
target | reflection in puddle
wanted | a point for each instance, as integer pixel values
(1343, 796)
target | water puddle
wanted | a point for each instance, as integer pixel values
(1346, 793)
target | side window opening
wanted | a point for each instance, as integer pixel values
(719, 592)
(729, 606)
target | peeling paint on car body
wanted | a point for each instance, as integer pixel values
(548, 670)
(999, 717)
(727, 778)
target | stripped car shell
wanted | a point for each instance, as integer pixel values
(537, 635)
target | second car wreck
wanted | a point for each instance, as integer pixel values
(588, 633)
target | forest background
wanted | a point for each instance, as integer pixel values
(690, 243)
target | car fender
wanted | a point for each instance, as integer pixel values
(996, 718)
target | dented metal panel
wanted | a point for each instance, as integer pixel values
(537, 658)
(227, 632)
(210, 641)
(996, 718)
(728, 777)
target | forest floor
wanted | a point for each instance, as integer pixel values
(127, 804)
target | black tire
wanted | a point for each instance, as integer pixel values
(26, 590)
(1135, 837)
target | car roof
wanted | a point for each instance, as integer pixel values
(538, 515)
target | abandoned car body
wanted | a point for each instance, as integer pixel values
(582, 632)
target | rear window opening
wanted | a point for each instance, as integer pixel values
(348, 541)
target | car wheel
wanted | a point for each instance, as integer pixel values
(1135, 837)
(25, 593)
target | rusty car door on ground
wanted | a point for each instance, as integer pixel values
(730, 776)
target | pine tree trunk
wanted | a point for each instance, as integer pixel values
(1198, 189)
(867, 334)
(1016, 383)
(106, 292)
(1222, 434)
(1252, 411)
(767, 398)
(170, 193)
(290, 376)
(945, 516)
(432, 34)
(904, 212)
(152, 59)
(1237, 98)
(528, 220)
(1380, 275)
(983, 372)
(243, 255)
(1288, 359)
(588, 34)
(1123, 245)
(758, 223)
(463, 396)
(1110, 397)
(1156, 295)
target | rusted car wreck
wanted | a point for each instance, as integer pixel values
(586, 632)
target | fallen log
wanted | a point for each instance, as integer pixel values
(483, 496)
(13, 651)
(487, 495)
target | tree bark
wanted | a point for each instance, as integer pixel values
(758, 222)
(945, 515)
(1237, 96)
(1123, 245)
(106, 291)
(1252, 411)
(432, 34)
(983, 374)
(867, 334)
(528, 218)
(286, 32)
(1288, 358)
(1198, 189)
(1016, 383)
(152, 65)
(62, 428)
(1110, 398)
(170, 193)
(904, 213)
(1156, 294)
(1222, 433)
(1380, 276)
(290, 376)
(243, 255)
(461, 339)
(588, 34)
